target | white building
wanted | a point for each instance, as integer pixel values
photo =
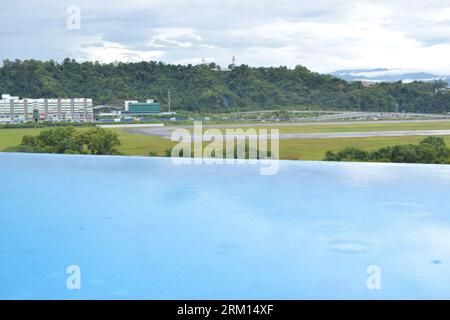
(127, 104)
(15, 110)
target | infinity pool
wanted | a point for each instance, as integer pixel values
(147, 229)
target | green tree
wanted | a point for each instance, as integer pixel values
(429, 150)
(100, 141)
(68, 140)
(348, 154)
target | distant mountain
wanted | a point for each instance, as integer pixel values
(387, 75)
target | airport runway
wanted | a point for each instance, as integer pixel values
(164, 129)
(364, 134)
(165, 132)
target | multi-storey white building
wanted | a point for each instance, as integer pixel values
(15, 110)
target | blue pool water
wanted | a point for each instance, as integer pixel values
(145, 228)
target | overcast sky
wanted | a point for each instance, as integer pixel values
(323, 35)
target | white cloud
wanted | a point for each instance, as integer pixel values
(179, 37)
(443, 15)
(366, 38)
(107, 52)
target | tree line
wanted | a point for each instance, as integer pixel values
(429, 150)
(207, 88)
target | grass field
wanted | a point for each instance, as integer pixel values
(368, 127)
(13, 137)
(314, 149)
(301, 149)
(140, 145)
(132, 144)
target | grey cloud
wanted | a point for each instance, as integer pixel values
(324, 35)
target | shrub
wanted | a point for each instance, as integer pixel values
(429, 150)
(70, 141)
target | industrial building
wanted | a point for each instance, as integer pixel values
(15, 110)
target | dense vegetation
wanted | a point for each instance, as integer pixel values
(429, 150)
(206, 88)
(68, 140)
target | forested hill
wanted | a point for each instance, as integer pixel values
(204, 88)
